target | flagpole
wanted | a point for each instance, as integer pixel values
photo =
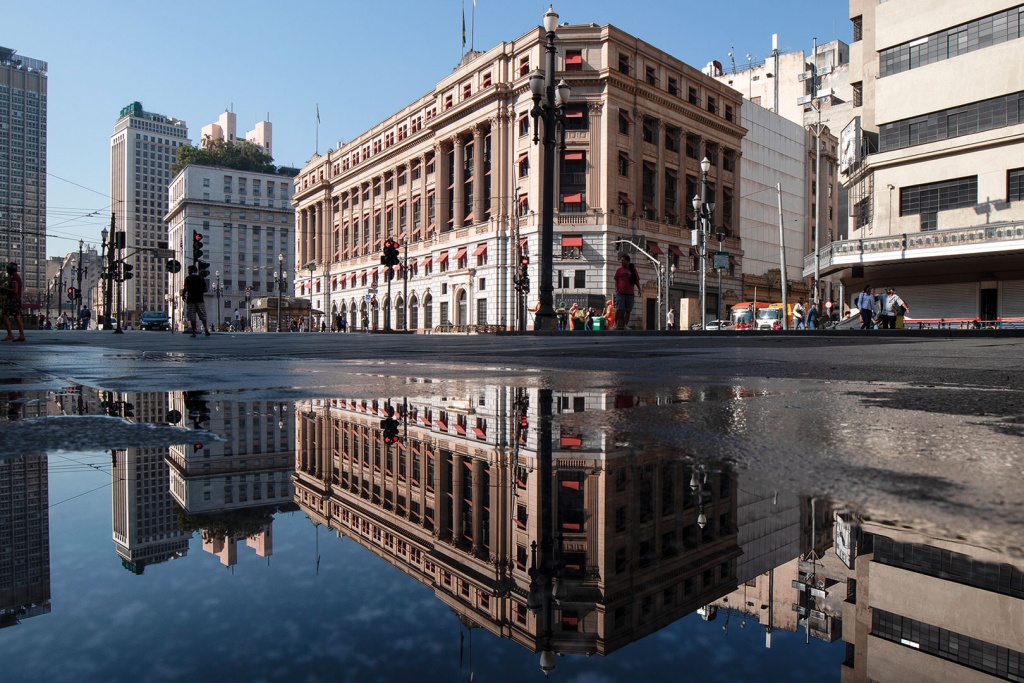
(463, 27)
(472, 28)
(318, 128)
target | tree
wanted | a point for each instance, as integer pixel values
(240, 156)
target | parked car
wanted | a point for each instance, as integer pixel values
(155, 320)
(720, 325)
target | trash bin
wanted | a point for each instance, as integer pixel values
(598, 323)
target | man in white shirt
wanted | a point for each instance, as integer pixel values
(892, 307)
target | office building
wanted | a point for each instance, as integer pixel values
(455, 176)
(23, 180)
(932, 158)
(142, 149)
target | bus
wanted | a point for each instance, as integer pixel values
(741, 315)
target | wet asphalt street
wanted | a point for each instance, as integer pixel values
(915, 426)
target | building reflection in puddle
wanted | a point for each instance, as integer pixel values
(564, 544)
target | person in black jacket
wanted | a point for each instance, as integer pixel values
(195, 305)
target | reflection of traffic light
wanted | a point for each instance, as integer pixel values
(196, 408)
(389, 426)
(196, 447)
(197, 245)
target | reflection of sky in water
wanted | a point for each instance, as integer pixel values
(358, 618)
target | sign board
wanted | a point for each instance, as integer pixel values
(849, 145)
(805, 76)
(806, 99)
(248, 290)
(367, 298)
(846, 539)
(721, 260)
(828, 304)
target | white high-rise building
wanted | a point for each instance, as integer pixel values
(23, 172)
(142, 149)
(224, 129)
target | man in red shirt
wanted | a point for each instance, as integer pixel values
(626, 281)
(12, 304)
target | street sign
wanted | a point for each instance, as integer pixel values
(806, 99)
(828, 304)
(367, 298)
(721, 260)
(248, 290)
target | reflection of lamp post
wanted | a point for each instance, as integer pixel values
(702, 210)
(105, 284)
(548, 106)
(721, 236)
(217, 290)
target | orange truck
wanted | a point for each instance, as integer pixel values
(742, 315)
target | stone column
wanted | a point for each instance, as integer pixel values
(478, 504)
(499, 169)
(479, 201)
(457, 495)
(441, 189)
(595, 193)
(459, 189)
(303, 235)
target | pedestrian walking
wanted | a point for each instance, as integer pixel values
(195, 305)
(812, 317)
(798, 316)
(238, 320)
(892, 308)
(866, 306)
(627, 279)
(670, 319)
(11, 295)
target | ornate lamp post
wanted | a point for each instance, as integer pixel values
(702, 211)
(217, 290)
(78, 286)
(548, 106)
(279, 281)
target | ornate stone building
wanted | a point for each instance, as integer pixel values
(455, 177)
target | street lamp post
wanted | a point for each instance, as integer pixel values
(279, 282)
(721, 237)
(216, 290)
(702, 211)
(309, 326)
(78, 287)
(548, 106)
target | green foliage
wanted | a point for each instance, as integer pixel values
(241, 156)
(242, 523)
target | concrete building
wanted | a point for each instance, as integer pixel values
(247, 222)
(144, 525)
(24, 537)
(23, 88)
(456, 177)
(645, 538)
(63, 271)
(224, 129)
(142, 149)
(929, 608)
(932, 158)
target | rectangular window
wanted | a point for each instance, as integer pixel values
(625, 120)
(624, 63)
(691, 95)
(858, 28)
(673, 86)
(931, 198)
(1015, 185)
(650, 75)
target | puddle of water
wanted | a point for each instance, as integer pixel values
(487, 534)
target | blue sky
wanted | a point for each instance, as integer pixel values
(360, 61)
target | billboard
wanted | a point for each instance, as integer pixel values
(849, 146)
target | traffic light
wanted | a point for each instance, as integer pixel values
(71, 293)
(197, 408)
(390, 256)
(126, 272)
(197, 245)
(204, 268)
(523, 276)
(196, 447)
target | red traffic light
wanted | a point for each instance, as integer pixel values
(71, 290)
(197, 236)
(524, 260)
(197, 447)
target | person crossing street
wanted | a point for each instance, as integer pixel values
(194, 294)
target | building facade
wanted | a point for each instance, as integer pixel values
(23, 88)
(455, 177)
(246, 220)
(142, 149)
(932, 159)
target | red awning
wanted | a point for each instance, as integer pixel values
(573, 156)
(462, 431)
(571, 483)
(362, 275)
(675, 250)
(649, 207)
(623, 197)
(480, 434)
(654, 248)
(625, 155)
(625, 114)
(523, 116)
(460, 253)
(480, 250)
(441, 425)
(574, 114)
(650, 165)
(522, 157)
(574, 58)
(376, 245)
(401, 236)
(352, 277)
(572, 240)
(733, 262)
(442, 257)
(523, 199)
(468, 217)
(426, 262)
(574, 198)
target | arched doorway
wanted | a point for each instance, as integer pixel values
(428, 311)
(364, 317)
(461, 308)
(399, 313)
(414, 313)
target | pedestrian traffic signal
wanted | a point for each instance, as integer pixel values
(197, 245)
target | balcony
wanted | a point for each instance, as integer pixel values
(980, 240)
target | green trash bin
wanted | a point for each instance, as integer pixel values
(598, 323)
